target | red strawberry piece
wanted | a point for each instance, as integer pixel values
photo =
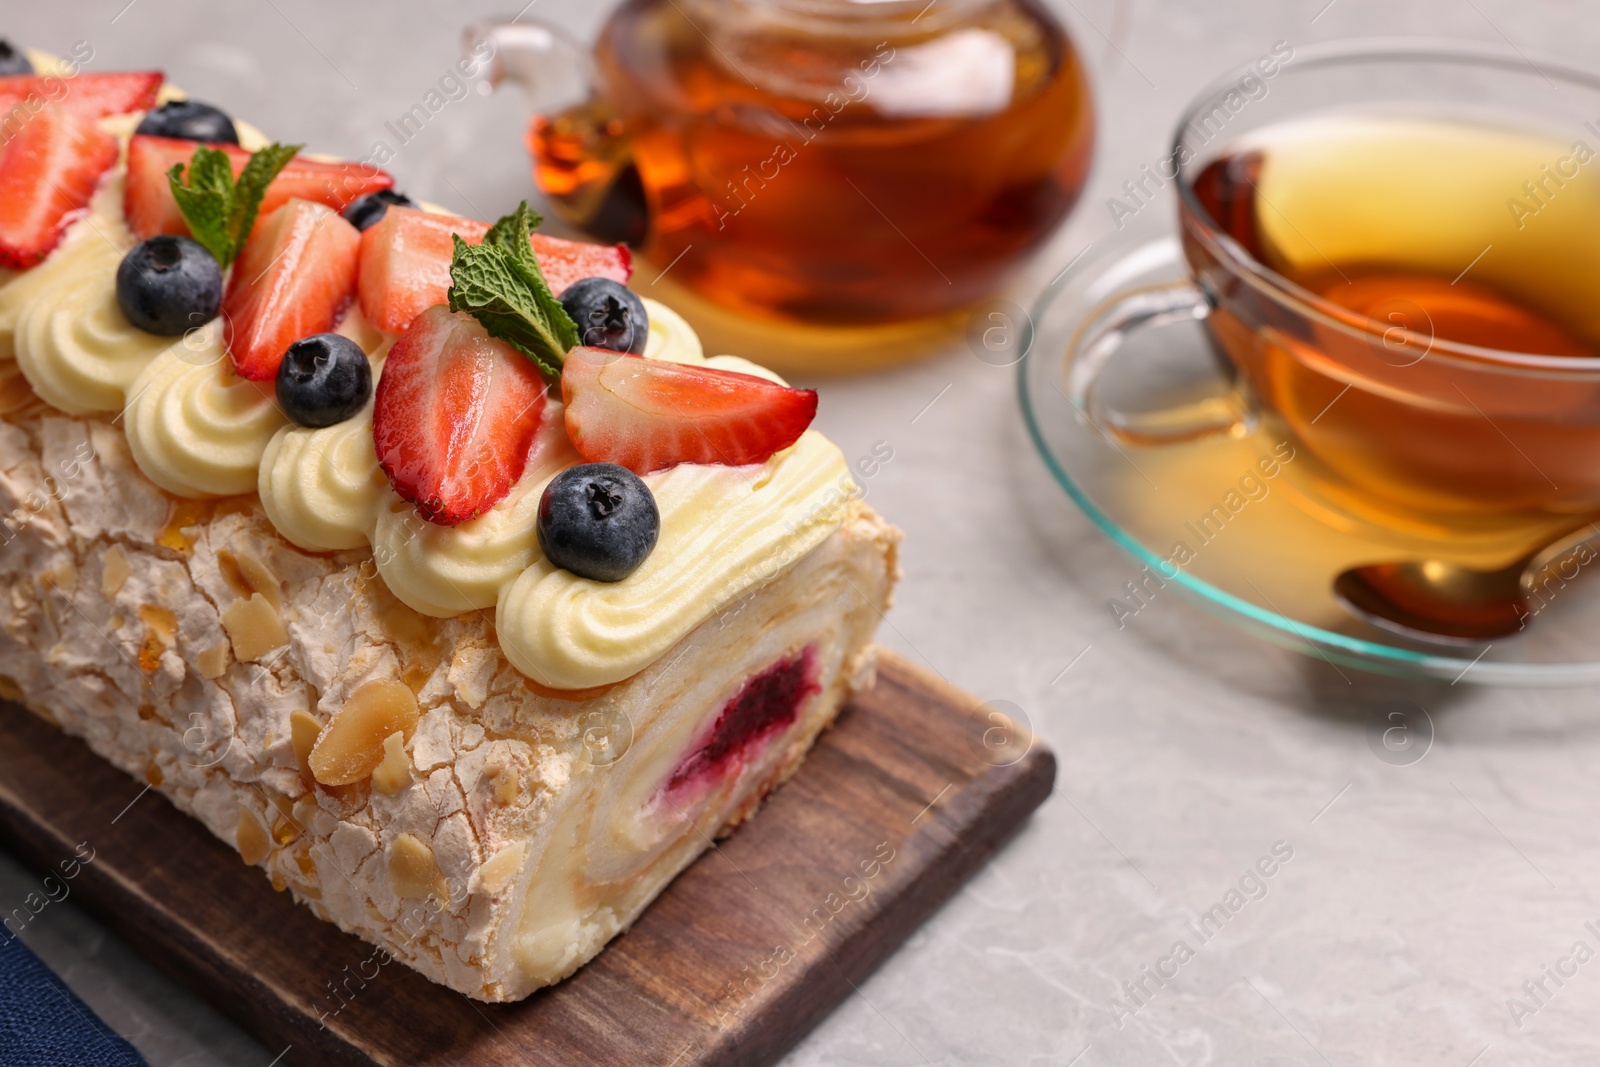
(294, 278)
(49, 168)
(455, 416)
(405, 263)
(648, 415)
(564, 262)
(150, 208)
(147, 201)
(94, 95)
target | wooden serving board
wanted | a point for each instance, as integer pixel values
(747, 950)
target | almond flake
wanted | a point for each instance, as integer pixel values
(412, 870)
(303, 732)
(394, 773)
(254, 626)
(352, 744)
(497, 872)
(254, 845)
(212, 662)
(114, 571)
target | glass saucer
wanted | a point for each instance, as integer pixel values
(1245, 523)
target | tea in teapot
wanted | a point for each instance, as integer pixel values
(837, 162)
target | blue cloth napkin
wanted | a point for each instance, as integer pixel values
(44, 1024)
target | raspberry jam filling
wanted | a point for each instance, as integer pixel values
(765, 706)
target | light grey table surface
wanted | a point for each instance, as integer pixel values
(1419, 898)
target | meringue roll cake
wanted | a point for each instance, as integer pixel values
(435, 571)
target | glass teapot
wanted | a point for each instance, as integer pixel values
(829, 162)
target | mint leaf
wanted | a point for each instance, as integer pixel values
(513, 231)
(252, 187)
(498, 289)
(206, 200)
(499, 283)
(219, 210)
(210, 170)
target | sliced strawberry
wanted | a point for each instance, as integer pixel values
(648, 415)
(49, 168)
(563, 262)
(297, 273)
(94, 95)
(150, 209)
(455, 416)
(147, 201)
(405, 263)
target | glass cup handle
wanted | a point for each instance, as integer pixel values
(1101, 337)
(551, 66)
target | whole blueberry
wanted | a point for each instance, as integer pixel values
(323, 379)
(169, 285)
(608, 314)
(364, 211)
(13, 60)
(598, 520)
(191, 120)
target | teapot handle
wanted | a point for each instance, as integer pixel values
(553, 69)
(582, 152)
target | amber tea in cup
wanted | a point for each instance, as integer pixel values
(1395, 253)
(1435, 230)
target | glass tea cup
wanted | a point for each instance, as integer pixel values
(1353, 236)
